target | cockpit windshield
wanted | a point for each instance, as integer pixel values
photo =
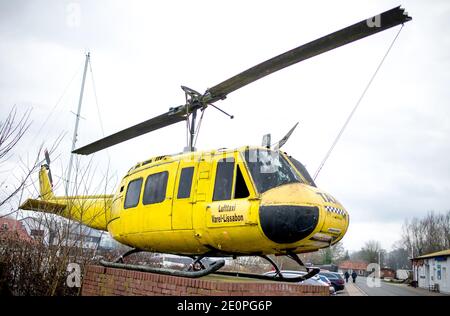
(302, 169)
(269, 169)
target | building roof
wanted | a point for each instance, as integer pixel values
(443, 253)
(8, 225)
(354, 265)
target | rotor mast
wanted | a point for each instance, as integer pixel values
(192, 131)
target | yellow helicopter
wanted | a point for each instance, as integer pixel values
(249, 201)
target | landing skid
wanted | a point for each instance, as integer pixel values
(197, 269)
(278, 276)
(213, 267)
(192, 272)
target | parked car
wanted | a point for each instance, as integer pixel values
(327, 281)
(315, 280)
(335, 278)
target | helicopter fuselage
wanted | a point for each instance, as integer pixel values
(246, 201)
(224, 202)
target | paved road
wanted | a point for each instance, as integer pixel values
(390, 289)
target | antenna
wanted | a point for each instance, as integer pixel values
(77, 121)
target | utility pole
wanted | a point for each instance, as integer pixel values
(379, 264)
(77, 120)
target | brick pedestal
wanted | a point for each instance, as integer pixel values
(109, 281)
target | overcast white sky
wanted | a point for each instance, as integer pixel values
(390, 164)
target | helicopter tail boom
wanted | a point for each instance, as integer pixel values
(90, 210)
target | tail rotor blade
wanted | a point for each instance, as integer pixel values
(47, 157)
(47, 160)
(285, 138)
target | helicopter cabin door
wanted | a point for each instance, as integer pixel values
(230, 205)
(157, 196)
(183, 195)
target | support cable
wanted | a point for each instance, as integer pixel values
(96, 99)
(57, 103)
(356, 106)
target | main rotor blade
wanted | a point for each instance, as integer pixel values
(131, 132)
(334, 40)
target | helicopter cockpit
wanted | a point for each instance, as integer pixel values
(270, 169)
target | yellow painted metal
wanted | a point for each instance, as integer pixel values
(182, 207)
(91, 210)
(198, 224)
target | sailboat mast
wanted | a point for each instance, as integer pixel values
(77, 120)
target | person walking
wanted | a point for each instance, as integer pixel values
(354, 275)
(346, 275)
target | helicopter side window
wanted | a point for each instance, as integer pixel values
(133, 193)
(269, 169)
(184, 187)
(155, 188)
(240, 188)
(224, 180)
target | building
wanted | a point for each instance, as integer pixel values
(36, 229)
(387, 273)
(12, 226)
(432, 271)
(360, 267)
(63, 233)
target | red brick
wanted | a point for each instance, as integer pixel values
(110, 281)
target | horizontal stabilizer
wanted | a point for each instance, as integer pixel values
(43, 206)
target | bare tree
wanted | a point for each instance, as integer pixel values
(426, 235)
(370, 252)
(39, 266)
(12, 130)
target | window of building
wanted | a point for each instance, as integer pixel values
(133, 193)
(155, 188)
(37, 233)
(184, 187)
(224, 180)
(240, 188)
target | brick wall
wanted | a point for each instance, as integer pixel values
(108, 281)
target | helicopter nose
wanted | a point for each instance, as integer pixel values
(288, 223)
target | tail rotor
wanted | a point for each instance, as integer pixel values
(47, 160)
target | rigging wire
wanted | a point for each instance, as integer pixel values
(96, 99)
(99, 114)
(356, 106)
(58, 102)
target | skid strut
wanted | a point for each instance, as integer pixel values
(275, 266)
(197, 269)
(310, 272)
(126, 254)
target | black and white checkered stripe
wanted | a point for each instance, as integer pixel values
(334, 210)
